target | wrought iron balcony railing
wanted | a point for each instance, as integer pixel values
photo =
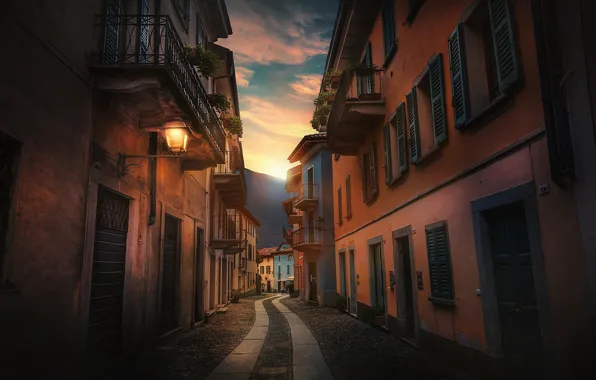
(306, 235)
(149, 41)
(227, 227)
(232, 164)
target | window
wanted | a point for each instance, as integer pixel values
(9, 156)
(348, 197)
(388, 17)
(262, 270)
(427, 124)
(439, 264)
(199, 35)
(279, 271)
(366, 84)
(483, 60)
(288, 272)
(370, 187)
(339, 208)
(394, 138)
(250, 252)
(268, 269)
(183, 11)
(413, 7)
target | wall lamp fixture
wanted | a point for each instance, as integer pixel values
(176, 134)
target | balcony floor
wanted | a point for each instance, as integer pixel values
(294, 219)
(225, 243)
(306, 204)
(357, 119)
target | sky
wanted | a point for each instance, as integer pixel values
(280, 48)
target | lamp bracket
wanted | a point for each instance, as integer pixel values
(123, 167)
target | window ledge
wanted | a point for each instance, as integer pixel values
(396, 179)
(491, 111)
(428, 154)
(441, 301)
(390, 55)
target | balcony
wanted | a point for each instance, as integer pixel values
(141, 63)
(227, 233)
(357, 109)
(308, 197)
(287, 235)
(229, 180)
(294, 216)
(307, 240)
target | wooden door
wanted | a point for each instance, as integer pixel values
(521, 337)
(353, 295)
(104, 329)
(170, 274)
(378, 277)
(406, 283)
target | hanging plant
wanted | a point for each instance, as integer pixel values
(233, 126)
(220, 102)
(204, 60)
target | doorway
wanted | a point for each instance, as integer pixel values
(353, 298)
(377, 287)
(104, 329)
(515, 289)
(312, 286)
(212, 275)
(343, 291)
(310, 178)
(199, 260)
(405, 288)
(170, 275)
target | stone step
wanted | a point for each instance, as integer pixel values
(222, 310)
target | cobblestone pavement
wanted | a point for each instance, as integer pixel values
(356, 350)
(194, 354)
(275, 359)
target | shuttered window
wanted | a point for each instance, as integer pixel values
(439, 264)
(413, 128)
(366, 83)
(368, 166)
(503, 43)
(387, 153)
(437, 99)
(348, 197)
(459, 77)
(388, 18)
(402, 149)
(183, 10)
(340, 217)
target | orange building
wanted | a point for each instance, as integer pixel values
(453, 226)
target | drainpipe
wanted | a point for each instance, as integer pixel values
(153, 178)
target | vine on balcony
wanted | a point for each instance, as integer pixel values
(204, 60)
(325, 98)
(233, 125)
(220, 102)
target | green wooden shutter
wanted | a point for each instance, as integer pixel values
(364, 171)
(387, 146)
(437, 99)
(402, 148)
(413, 129)
(339, 207)
(459, 77)
(388, 18)
(374, 184)
(504, 43)
(439, 262)
(368, 62)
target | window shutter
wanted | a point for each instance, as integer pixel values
(439, 262)
(400, 117)
(364, 171)
(437, 99)
(348, 197)
(387, 145)
(459, 77)
(339, 206)
(111, 41)
(374, 184)
(413, 129)
(504, 43)
(368, 62)
(388, 16)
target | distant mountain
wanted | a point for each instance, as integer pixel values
(265, 194)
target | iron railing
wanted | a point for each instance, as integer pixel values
(232, 164)
(151, 41)
(308, 191)
(227, 227)
(306, 235)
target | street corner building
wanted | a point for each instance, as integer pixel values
(123, 202)
(463, 145)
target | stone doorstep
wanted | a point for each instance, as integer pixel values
(222, 310)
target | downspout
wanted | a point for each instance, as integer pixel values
(153, 178)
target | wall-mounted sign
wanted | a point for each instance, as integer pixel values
(419, 280)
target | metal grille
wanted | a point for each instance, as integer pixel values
(107, 281)
(9, 152)
(170, 274)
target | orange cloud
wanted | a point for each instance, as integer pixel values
(243, 76)
(307, 85)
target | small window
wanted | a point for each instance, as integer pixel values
(288, 269)
(368, 167)
(199, 34)
(427, 124)
(183, 11)
(348, 197)
(483, 59)
(389, 34)
(439, 264)
(262, 270)
(339, 208)
(394, 139)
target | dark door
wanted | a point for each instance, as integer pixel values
(199, 260)
(268, 286)
(104, 331)
(312, 273)
(311, 183)
(9, 153)
(353, 298)
(403, 248)
(378, 277)
(170, 274)
(521, 337)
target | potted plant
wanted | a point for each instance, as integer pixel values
(220, 102)
(204, 60)
(233, 125)
(235, 296)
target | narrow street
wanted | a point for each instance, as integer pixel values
(278, 338)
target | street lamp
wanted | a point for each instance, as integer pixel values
(176, 135)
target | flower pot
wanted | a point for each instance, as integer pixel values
(330, 98)
(335, 79)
